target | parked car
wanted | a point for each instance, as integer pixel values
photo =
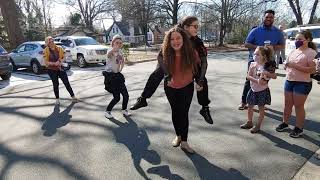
(84, 50)
(5, 64)
(30, 55)
(292, 32)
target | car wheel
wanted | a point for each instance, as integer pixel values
(36, 68)
(81, 61)
(6, 76)
(14, 67)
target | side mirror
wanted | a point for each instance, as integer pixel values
(14, 51)
(71, 45)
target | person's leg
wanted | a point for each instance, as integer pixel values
(171, 96)
(114, 101)
(277, 58)
(249, 123)
(203, 100)
(55, 81)
(245, 91)
(151, 86)
(185, 98)
(125, 95)
(257, 127)
(64, 77)
(288, 104)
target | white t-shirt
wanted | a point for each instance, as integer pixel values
(255, 69)
(114, 61)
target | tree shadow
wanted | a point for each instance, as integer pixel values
(164, 172)
(206, 170)
(306, 153)
(11, 158)
(310, 125)
(137, 141)
(56, 120)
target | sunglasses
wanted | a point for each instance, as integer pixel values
(196, 26)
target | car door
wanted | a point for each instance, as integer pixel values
(69, 45)
(28, 54)
(17, 56)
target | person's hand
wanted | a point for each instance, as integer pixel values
(290, 65)
(198, 87)
(57, 63)
(261, 81)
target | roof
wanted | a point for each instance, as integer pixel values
(69, 30)
(123, 26)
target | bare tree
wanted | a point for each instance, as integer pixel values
(171, 8)
(10, 14)
(90, 9)
(296, 9)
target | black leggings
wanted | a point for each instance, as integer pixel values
(119, 88)
(155, 79)
(180, 101)
(54, 76)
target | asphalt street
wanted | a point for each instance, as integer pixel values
(39, 140)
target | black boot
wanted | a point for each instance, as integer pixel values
(205, 112)
(141, 102)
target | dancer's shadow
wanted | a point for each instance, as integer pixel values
(137, 141)
(206, 170)
(306, 153)
(164, 172)
(56, 120)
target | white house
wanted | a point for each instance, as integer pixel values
(131, 33)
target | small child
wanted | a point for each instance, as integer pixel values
(259, 94)
(116, 80)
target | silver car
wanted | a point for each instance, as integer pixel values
(30, 55)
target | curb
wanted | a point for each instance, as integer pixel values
(311, 169)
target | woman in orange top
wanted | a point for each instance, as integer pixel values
(53, 58)
(180, 61)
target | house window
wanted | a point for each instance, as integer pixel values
(113, 30)
(117, 30)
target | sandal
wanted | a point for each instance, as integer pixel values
(242, 106)
(254, 129)
(176, 142)
(247, 125)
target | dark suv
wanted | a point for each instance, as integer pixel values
(5, 64)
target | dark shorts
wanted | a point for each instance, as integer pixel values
(260, 98)
(297, 87)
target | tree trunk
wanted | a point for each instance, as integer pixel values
(175, 12)
(314, 7)
(296, 11)
(11, 19)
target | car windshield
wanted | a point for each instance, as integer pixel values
(85, 41)
(2, 50)
(315, 33)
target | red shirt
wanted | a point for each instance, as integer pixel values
(181, 78)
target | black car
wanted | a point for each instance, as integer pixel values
(5, 64)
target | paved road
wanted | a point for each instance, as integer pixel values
(74, 141)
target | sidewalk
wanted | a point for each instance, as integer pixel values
(310, 170)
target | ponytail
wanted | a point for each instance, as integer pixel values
(312, 45)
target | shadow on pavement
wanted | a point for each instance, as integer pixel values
(137, 141)
(206, 170)
(164, 172)
(310, 125)
(56, 120)
(306, 153)
(4, 83)
(13, 158)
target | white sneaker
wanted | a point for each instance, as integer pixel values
(57, 102)
(126, 112)
(108, 115)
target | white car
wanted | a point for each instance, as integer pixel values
(84, 50)
(292, 32)
(30, 54)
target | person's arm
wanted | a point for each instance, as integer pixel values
(61, 54)
(250, 46)
(46, 57)
(250, 74)
(272, 75)
(121, 64)
(310, 69)
(161, 63)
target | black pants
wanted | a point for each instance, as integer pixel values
(155, 79)
(119, 87)
(54, 76)
(246, 87)
(180, 101)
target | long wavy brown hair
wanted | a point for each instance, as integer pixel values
(187, 52)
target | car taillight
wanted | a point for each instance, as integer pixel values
(40, 52)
